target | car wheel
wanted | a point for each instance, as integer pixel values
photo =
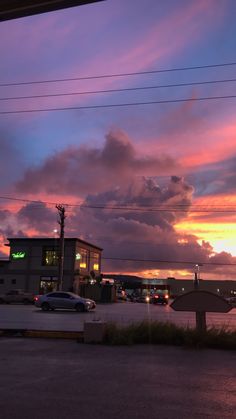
(80, 307)
(1, 301)
(45, 307)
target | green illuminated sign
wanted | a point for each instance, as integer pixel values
(18, 255)
(77, 256)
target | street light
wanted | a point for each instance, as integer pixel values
(196, 276)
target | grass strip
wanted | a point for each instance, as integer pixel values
(167, 333)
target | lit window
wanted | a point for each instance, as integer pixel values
(94, 261)
(50, 256)
(83, 265)
(83, 260)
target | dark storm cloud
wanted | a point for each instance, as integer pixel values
(221, 265)
(113, 176)
(141, 235)
(31, 217)
(144, 199)
(122, 237)
(82, 170)
(38, 217)
(132, 234)
(9, 231)
(4, 214)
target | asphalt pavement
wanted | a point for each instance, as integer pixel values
(63, 379)
(30, 317)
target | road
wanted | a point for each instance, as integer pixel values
(30, 317)
(63, 379)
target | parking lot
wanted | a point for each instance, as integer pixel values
(30, 317)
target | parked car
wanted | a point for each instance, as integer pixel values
(143, 298)
(121, 295)
(63, 300)
(132, 297)
(17, 296)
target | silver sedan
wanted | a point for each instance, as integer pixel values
(63, 300)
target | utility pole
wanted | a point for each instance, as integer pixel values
(200, 315)
(61, 222)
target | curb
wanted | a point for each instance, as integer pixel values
(54, 334)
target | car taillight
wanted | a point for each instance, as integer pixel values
(36, 298)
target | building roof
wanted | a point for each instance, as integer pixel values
(67, 239)
(13, 9)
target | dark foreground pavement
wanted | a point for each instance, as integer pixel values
(62, 379)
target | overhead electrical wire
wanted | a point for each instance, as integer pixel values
(127, 89)
(164, 208)
(169, 261)
(115, 105)
(135, 73)
(160, 209)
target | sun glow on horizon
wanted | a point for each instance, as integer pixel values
(221, 236)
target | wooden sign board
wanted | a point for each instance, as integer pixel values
(201, 301)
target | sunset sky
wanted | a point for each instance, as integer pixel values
(172, 164)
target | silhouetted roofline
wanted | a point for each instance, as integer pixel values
(14, 9)
(53, 239)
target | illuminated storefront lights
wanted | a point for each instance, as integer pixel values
(18, 255)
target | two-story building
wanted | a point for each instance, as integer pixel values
(33, 264)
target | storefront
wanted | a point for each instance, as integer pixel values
(33, 264)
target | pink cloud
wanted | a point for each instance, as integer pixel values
(220, 140)
(168, 38)
(195, 139)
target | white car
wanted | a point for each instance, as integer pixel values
(63, 300)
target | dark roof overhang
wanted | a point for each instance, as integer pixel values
(13, 9)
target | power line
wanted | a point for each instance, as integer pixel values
(160, 209)
(164, 208)
(115, 105)
(168, 261)
(28, 200)
(128, 89)
(102, 76)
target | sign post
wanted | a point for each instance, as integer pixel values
(201, 302)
